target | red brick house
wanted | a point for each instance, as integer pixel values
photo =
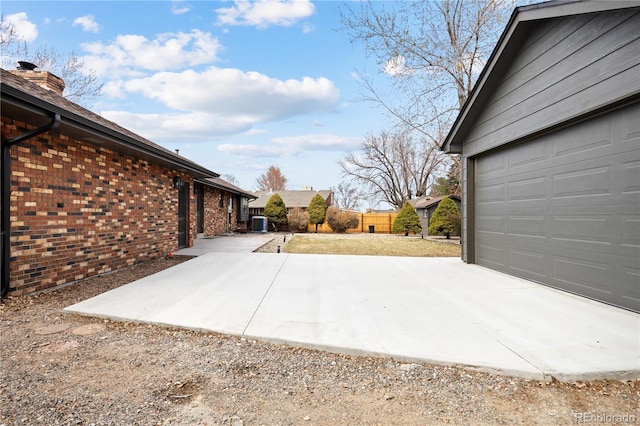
(221, 207)
(83, 196)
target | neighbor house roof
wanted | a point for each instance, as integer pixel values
(28, 102)
(291, 199)
(226, 186)
(522, 19)
(428, 201)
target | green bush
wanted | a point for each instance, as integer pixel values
(446, 219)
(298, 220)
(276, 211)
(317, 210)
(407, 221)
(340, 221)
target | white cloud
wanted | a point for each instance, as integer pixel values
(179, 127)
(131, 54)
(248, 96)
(308, 28)
(292, 145)
(396, 67)
(264, 13)
(178, 7)
(318, 142)
(254, 150)
(87, 23)
(219, 102)
(26, 29)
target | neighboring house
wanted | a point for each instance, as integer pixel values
(221, 207)
(292, 199)
(426, 205)
(550, 147)
(81, 195)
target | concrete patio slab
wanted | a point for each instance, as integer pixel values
(234, 243)
(434, 310)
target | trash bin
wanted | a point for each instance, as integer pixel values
(372, 229)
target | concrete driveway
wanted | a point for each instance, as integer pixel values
(434, 310)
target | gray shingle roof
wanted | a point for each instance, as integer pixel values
(291, 198)
(428, 201)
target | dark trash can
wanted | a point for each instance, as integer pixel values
(372, 229)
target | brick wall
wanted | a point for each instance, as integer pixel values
(79, 210)
(216, 214)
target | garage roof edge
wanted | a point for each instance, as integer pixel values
(508, 43)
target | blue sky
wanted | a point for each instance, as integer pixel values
(234, 85)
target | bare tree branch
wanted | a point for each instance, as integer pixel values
(81, 82)
(438, 48)
(347, 196)
(395, 167)
(271, 180)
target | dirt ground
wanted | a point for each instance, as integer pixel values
(64, 369)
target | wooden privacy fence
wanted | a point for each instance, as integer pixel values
(381, 223)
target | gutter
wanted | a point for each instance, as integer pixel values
(5, 191)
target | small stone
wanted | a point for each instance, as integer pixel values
(409, 367)
(306, 418)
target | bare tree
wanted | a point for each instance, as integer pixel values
(271, 180)
(395, 167)
(81, 82)
(347, 196)
(10, 40)
(432, 51)
(231, 179)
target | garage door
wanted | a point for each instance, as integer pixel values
(564, 209)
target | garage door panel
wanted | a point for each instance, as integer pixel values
(533, 189)
(631, 177)
(492, 256)
(564, 209)
(529, 264)
(492, 193)
(584, 146)
(595, 181)
(583, 229)
(491, 224)
(495, 167)
(630, 292)
(587, 274)
(527, 157)
(630, 232)
(529, 226)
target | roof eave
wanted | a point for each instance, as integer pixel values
(245, 194)
(508, 43)
(39, 107)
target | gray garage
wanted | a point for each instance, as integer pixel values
(550, 144)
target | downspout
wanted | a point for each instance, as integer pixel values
(5, 191)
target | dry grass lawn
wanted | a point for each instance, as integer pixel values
(372, 245)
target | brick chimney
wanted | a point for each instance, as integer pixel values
(44, 79)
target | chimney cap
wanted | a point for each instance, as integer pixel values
(26, 66)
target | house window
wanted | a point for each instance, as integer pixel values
(221, 202)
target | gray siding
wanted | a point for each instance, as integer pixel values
(563, 209)
(566, 66)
